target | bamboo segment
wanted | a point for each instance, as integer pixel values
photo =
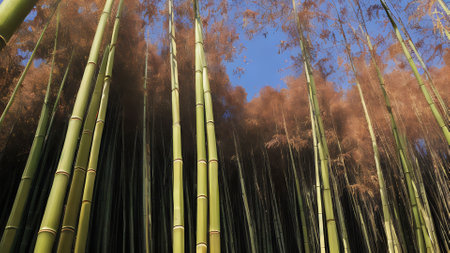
(12, 14)
(333, 237)
(53, 209)
(72, 209)
(437, 115)
(34, 156)
(178, 204)
(202, 170)
(27, 67)
(83, 222)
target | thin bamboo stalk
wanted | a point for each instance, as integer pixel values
(52, 214)
(381, 182)
(73, 204)
(83, 222)
(437, 115)
(146, 202)
(34, 156)
(12, 14)
(333, 237)
(178, 202)
(251, 229)
(27, 67)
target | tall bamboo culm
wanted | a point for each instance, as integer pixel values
(400, 151)
(213, 163)
(52, 214)
(73, 204)
(333, 237)
(437, 115)
(12, 14)
(146, 201)
(34, 156)
(178, 205)
(85, 212)
(202, 168)
(381, 182)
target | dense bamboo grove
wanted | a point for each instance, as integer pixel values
(163, 153)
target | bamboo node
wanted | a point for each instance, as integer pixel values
(80, 168)
(100, 121)
(39, 135)
(91, 170)
(199, 71)
(92, 62)
(202, 161)
(87, 131)
(47, 230)
(176, 123)
(177, 160)
(210, 121)
(202, 196)
(86, 201)
(68, 228)
(76, 118)
(214, 232)
(178, 227)
(63, 173)
(26, 177)
(207, 91)
(200, 104)
(174, 89)
(11, 227)
(202, 244)
(213, 161)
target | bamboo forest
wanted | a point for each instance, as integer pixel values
(138, 126)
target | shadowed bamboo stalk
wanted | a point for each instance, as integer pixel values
(249, 219)
(333, 237)
(27, 67)
(85, 212)
(306, 244)
(53, 209)
(400, 150)
(12, 14)
(437, 115)
(178, 202)
(202, 170)
(34, 156)
(381, 182)
(213, 164)
(146, 202)
(58, 96)
(73, 204)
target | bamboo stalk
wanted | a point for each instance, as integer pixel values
(437, 115)
(12, 14)
(213, 164)
(202, 170)
(145, 166)
(178, 202)
(73, 204)
(22, 195)
(52, 214)
(30, 61)
(83, 222)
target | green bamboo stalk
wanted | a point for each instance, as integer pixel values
(73, 204)
(400, 151)
(202, 170)
(58, 96)
(16, 215)
(146, 202)
(83, 222)
(12, 14)
(52, 214)
(30, 60)
(251, 229)
(381, 182)
(213, 164)
(178, 202)
(437, 115)
(306, 243)
(333, 236)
